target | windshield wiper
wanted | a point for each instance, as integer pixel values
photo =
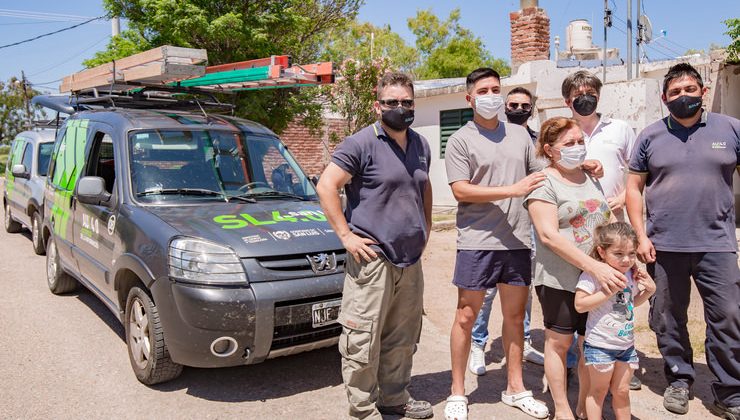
(181, 191)
(278, 194)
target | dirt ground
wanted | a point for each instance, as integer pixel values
(440, 300)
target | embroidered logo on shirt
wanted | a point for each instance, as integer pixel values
(719, 145)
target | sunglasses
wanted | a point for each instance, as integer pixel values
(394, 103)
(516, 105)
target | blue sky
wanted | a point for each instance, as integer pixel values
(688, 24)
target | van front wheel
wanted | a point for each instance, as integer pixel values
(11, 225)
(147, 350)
(58, 280)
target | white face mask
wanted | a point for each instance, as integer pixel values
(572, 157)
(488, 106)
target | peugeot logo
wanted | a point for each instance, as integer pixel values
(323, 263)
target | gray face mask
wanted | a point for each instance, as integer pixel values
(572, 157)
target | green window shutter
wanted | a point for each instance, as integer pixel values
(449, 122)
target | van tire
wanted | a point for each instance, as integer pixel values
(147, 350)
(11, 225)
(37, 239)
(57, 279)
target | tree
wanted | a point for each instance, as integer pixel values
(353, 93)
(16, 112)
(237, 30)
(733, 30)
(447, 49)
(364, 41)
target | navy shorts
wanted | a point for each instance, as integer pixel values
(484, 269)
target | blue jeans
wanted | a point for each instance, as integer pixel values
(480, 328)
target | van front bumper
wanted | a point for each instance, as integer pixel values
(265, 319)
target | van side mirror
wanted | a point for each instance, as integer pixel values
(91, 190)
(315, 180)
(19, 171)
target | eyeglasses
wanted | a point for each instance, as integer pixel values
(394, 103)
(516, 105)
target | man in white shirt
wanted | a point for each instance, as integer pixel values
(608, 140)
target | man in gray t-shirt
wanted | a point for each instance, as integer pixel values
(686, 162)
(487, 164)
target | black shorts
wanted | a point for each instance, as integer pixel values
(484, 269)
(559, 311)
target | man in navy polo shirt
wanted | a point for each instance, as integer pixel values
(385, 171)
(686, 162)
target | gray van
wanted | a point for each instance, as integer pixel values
(200, 233)
(25, 176)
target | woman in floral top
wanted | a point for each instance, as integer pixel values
(565, 210)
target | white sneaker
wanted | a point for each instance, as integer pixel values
(532, 355)
(477, 360)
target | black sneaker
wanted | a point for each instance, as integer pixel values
(725, 412)
(635, 383)
(413, 409)
(676, 400)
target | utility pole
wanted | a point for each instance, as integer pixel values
(607, 24)
(115, 23)
(638, 40)
(629, 39)
(26, 99)
(372, 44)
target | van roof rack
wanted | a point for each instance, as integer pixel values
(147, 96)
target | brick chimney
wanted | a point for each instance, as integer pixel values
(530, 34)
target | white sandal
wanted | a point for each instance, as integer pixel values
(456, 407)
(526, 402)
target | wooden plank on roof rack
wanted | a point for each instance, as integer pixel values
(159, 65)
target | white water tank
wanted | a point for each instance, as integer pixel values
(578, 35)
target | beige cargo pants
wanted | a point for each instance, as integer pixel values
(381, 316)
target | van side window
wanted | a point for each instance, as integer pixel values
(16, 152)
(102, 161)
(28, 157)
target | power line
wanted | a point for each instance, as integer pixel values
(51, 33)
(44, 70)
(27, 14)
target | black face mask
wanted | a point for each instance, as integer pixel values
(684, 106)
(518, 116)
(585, 105)
(398, 118)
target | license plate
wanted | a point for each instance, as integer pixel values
(325, 313)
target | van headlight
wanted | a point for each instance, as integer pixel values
(198, 261)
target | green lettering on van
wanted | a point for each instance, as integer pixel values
(230, 221)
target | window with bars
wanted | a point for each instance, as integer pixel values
(449, 122)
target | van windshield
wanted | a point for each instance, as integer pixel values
(187, 165)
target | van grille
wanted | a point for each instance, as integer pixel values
(298, 262)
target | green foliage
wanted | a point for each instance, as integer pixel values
(449, 50)
(14, 117)
(237, 30)
(355, 40)
(733, 30)
(353, 94)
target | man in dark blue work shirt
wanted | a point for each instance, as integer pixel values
(686, 163)
(385, 170)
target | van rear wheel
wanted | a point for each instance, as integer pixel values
(36, 238)
(58, 280)
(11, 225)
(147, 350)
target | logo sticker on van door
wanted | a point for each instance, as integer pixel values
(68, 162)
